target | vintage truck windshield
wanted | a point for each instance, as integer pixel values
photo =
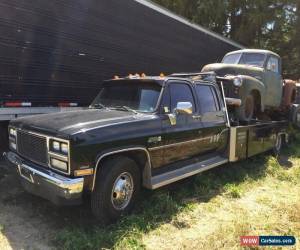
(128, 95)
(254, 59)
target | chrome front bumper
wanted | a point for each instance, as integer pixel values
(58, 189)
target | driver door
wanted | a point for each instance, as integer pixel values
(179, 139)
(273, 81)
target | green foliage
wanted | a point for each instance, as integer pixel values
(268, 24)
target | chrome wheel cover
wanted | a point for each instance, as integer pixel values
(122, 191)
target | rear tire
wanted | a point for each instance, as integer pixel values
(117, 187)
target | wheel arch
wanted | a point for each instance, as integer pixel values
(139, 154)
(253, 85)
(257, 96)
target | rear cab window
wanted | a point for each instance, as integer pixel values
(208, 98)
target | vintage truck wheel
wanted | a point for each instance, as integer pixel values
(247, 110)
(116, 189)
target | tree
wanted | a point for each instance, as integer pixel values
(267, 24)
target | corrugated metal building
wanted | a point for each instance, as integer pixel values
(61, 50)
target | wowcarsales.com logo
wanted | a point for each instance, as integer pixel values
(268, 240)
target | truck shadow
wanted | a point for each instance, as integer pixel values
(76, 225)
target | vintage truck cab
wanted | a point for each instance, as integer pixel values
(148, 131)
(254, 77)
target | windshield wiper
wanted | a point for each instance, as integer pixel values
(126, 108)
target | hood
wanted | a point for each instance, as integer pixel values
(68, 123)
(222, 69)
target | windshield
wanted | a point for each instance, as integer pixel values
(255, 59)
(130, 95)
(232, 59)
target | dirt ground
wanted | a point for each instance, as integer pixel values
(21, 227)
(29, 222)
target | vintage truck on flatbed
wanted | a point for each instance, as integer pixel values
(255, 79)
(138, 132)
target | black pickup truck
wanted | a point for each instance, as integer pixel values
(138, 132)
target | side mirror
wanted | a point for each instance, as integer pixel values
(184, 108)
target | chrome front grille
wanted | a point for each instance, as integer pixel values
(32, 147)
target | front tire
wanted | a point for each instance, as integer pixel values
(117, 187)
(247, 111)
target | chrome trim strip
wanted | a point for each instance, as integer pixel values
(184, 172)
(116, 152)
(225, 105)
(58, 156)
(170, 14)
(179, 143)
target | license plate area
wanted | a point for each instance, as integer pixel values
(26, 174)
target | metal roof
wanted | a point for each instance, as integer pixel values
(261, 51)
(181, 19)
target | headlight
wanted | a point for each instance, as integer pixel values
(13, 132)
(64, 147)
(59, 147)
(237, 81)
(12, 138)
(56, 146)
(58, 164)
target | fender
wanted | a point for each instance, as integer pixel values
(251, 83)
(147, 170)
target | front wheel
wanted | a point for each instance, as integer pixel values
(116, 189)
(247, 110)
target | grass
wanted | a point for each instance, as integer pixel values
(259, 196)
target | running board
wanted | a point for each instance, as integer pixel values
(187, 171)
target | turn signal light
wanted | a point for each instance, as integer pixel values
(84, 172)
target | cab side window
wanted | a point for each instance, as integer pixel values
(273, 64)
(181, 92)
(207, 99)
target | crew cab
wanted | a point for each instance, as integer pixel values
(138, 132)
(254, 77)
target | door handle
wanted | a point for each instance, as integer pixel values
(221, 115)
(197, 117)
